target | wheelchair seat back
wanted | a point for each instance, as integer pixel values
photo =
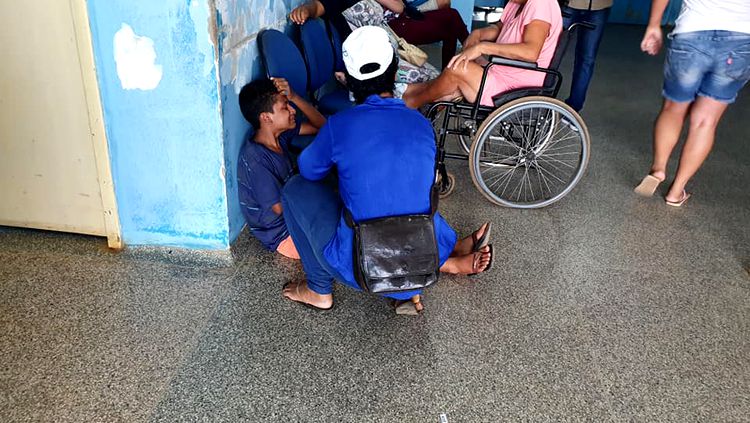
(549, 89)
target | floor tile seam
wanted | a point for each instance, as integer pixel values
(115, 260)
(192, 345)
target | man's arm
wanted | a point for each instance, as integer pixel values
(310, 10)
(316, 160)
(653, 38)
(528, 50)
(315, 120)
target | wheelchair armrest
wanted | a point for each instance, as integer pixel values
(499, 60)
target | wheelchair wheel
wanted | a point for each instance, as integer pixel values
(529, 153)
(445, 188)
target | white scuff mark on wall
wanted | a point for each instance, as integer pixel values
(199, 14)
(135, 57)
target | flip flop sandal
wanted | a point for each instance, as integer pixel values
(483, 240)
(685, 197)
(406, 307)
(308, 305)
(489, 265)
(648, 186)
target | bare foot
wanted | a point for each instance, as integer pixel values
(299, 292)
(466, 245)
(468, 263)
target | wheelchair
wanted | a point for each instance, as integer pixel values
(528, 151)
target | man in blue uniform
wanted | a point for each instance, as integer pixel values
(384, 155)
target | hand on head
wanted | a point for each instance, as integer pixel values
(282, 85)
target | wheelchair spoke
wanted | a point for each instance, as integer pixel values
(530, 154)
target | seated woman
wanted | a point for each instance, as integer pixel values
(439, 22)
(384, 154)
(528, 30)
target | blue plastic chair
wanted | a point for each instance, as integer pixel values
(319, 55)
(282, 58)
(336, 41)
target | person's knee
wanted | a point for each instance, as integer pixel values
(701, 119)
(291, 188)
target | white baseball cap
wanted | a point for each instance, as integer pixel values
(367, 52)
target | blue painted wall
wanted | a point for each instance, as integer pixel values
(166, 144)
(239, 63)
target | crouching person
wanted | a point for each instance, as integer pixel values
(264, 164)
(384, 154)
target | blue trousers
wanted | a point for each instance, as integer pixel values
(312, 211)
(587, 45)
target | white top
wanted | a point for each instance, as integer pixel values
(707, 15)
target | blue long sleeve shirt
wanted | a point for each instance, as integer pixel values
(384, 153)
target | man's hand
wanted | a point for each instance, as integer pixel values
(461, 61)
(652, 40)
(300, 14)
(283, 87)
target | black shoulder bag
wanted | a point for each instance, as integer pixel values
(396, 253)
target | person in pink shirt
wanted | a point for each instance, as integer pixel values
(528, 30)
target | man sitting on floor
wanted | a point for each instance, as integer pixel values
(264, 164)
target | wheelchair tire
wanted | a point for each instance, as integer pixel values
(529, 153)
(447, 188)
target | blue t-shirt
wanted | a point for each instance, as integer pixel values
(384, 153)
(261, 174)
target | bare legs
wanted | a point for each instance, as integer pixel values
(450, 84)
(705, 114)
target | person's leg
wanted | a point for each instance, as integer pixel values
(666, 134)
(311, 213)
(684, 70)
(446, 85)
(704, 117)
(585, 58)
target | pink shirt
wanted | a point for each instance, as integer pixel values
(504, 78)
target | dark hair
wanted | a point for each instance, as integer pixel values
(255, 98)
(380, 84)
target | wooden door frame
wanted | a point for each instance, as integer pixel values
(82, 28)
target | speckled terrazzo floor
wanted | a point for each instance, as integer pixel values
(604, 307)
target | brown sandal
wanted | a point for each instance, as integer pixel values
(408, 307)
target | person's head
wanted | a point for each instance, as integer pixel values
(262, 105)
(371, 63)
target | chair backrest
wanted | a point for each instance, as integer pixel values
(318, 53)
(550, 81)
(562, 46)
(282, 58)
(336, 41)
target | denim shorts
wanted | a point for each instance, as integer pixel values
(713, 64)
